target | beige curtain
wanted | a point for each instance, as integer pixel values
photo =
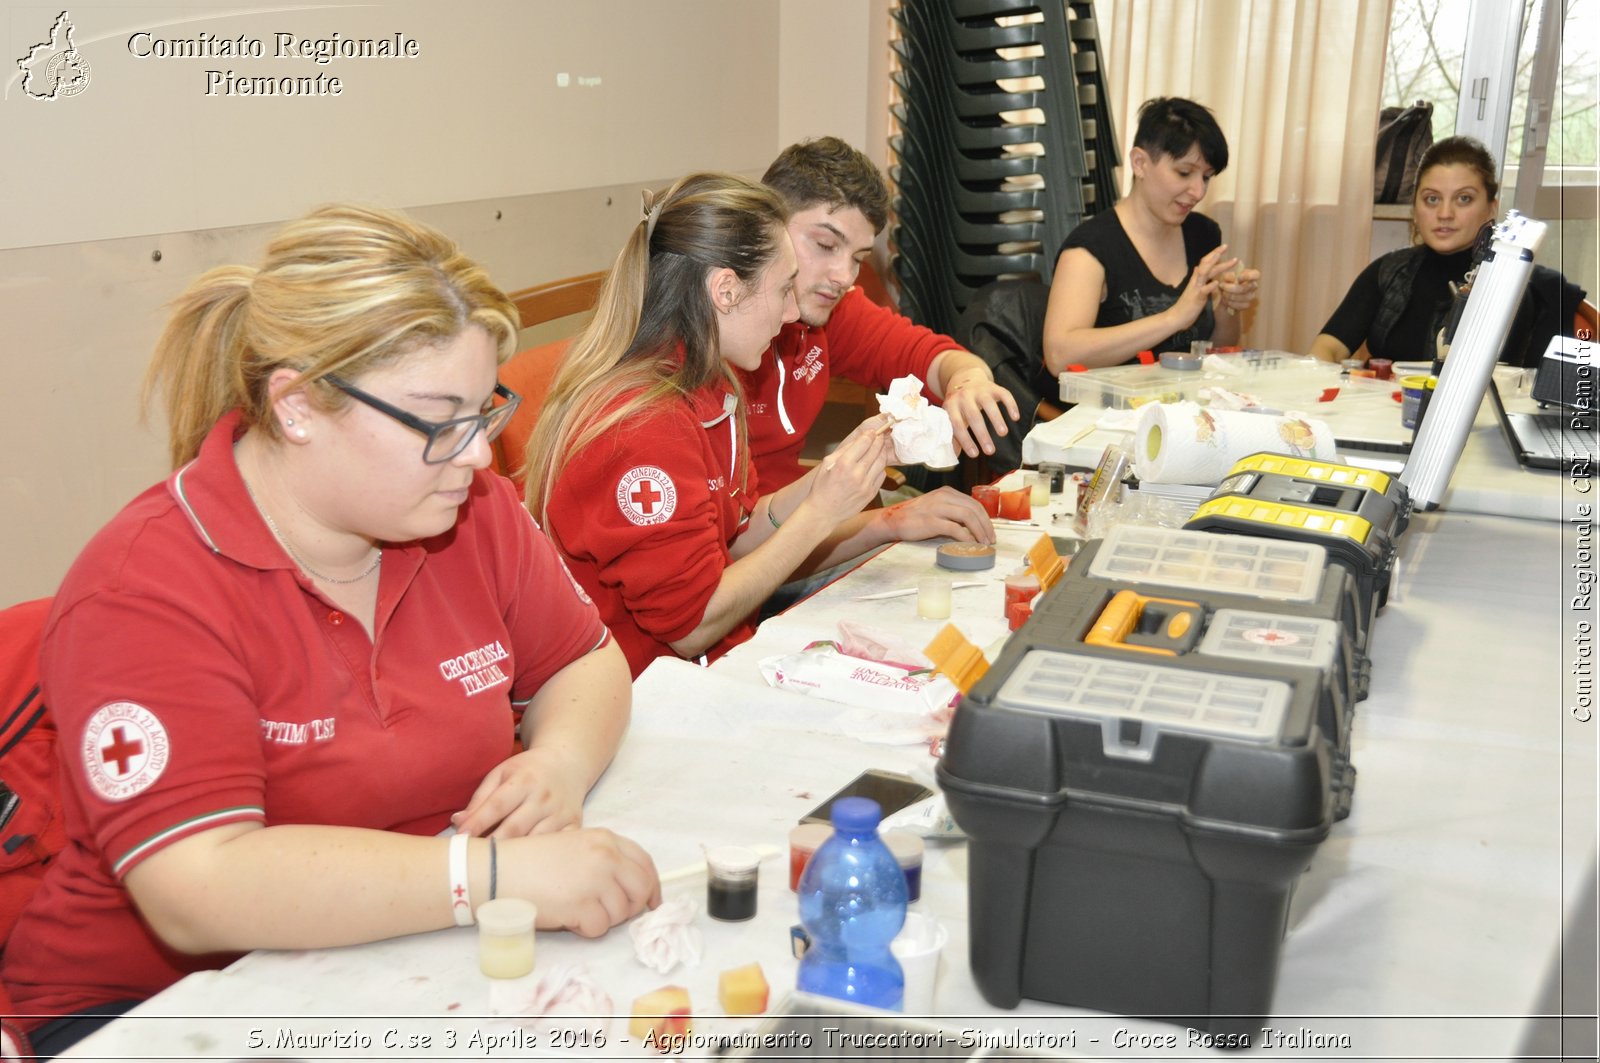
(1296, 86)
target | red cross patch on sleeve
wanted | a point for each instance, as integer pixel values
(124, 750)
(646, 495)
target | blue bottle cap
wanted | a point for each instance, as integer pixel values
(856, 814)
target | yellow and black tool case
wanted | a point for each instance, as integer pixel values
(1136, 828)
(1355, 514)
(1230, 572)
(1312, 653)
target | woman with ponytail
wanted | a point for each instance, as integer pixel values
(639, 469)
(281, 674)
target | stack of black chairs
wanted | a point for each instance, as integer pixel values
(1005, 144)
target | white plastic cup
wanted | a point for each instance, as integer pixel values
(918, 947)
(505, 937)
(933, 597)
(1039, 488)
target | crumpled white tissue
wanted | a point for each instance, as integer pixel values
(921, 431)
(928, 818)
(564, 991)
(1217, 363)
(862, 640)
(666, 937)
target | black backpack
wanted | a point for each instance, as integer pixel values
(1404, 136)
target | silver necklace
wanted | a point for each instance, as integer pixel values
(272, 526)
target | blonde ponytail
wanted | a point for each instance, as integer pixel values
(654, 305)
(343, 290)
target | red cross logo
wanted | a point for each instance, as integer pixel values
(124, 748)
(646, 496)
(1266, 636)
(121, 750)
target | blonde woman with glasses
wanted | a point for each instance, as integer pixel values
(281, 674)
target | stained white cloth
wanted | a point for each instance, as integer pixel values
(666, 937)
(566, 990)
(1182, 442)
(921, 431)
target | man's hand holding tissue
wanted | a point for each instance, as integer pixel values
(968, 393)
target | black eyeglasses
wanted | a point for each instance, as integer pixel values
(446, 439)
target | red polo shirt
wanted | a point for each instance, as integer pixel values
(863, 342)
(197, 678)
(644, 516)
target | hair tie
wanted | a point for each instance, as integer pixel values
(652, 211)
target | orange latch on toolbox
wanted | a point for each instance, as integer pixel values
(1133, 621)
(1046, 563)
(953, 656)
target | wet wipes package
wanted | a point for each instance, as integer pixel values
(821, 670)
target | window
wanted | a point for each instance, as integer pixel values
(1432, 58)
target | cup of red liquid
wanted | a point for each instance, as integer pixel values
(1383, 368)
(1016, 505)
(988, 496)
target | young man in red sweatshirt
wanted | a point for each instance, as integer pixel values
(839, 203)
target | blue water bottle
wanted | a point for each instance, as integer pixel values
(853, 903)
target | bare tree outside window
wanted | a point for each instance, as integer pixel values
(1426, 44)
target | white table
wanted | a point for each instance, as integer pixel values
(1487, 479)
(1426, 927)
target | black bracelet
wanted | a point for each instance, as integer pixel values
(494, 870)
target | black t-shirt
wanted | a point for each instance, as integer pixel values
(1132, 291)
(1547, 309)
(1412, 337)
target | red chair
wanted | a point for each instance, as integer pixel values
(529, 372)
(31, 831)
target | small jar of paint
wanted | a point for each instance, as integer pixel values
(803, 841)
(505, 937)
(907, 849)
(988, 496)
(1017, 504)
(1021, 586)
(731, 883)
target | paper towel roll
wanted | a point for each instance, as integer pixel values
(1184, 443)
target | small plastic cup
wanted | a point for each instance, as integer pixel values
(1016, 505)
(918, 947)
(933, 597)
(1021, 586)
(803, 841)
(988, 496)
(1383, 368)
(1039, 488)
(505, 937)
(731, 879)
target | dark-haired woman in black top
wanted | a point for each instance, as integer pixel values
(1149, 274)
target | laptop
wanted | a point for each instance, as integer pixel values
(1562, 438)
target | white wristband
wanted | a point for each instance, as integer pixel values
(460, 899)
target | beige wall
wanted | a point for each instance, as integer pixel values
(111, 200)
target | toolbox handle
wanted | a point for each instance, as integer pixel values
(1117, 625)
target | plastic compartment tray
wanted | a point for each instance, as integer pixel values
(1124, 387)
(1264, 568)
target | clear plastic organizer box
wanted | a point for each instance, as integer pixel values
(1125, 387)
